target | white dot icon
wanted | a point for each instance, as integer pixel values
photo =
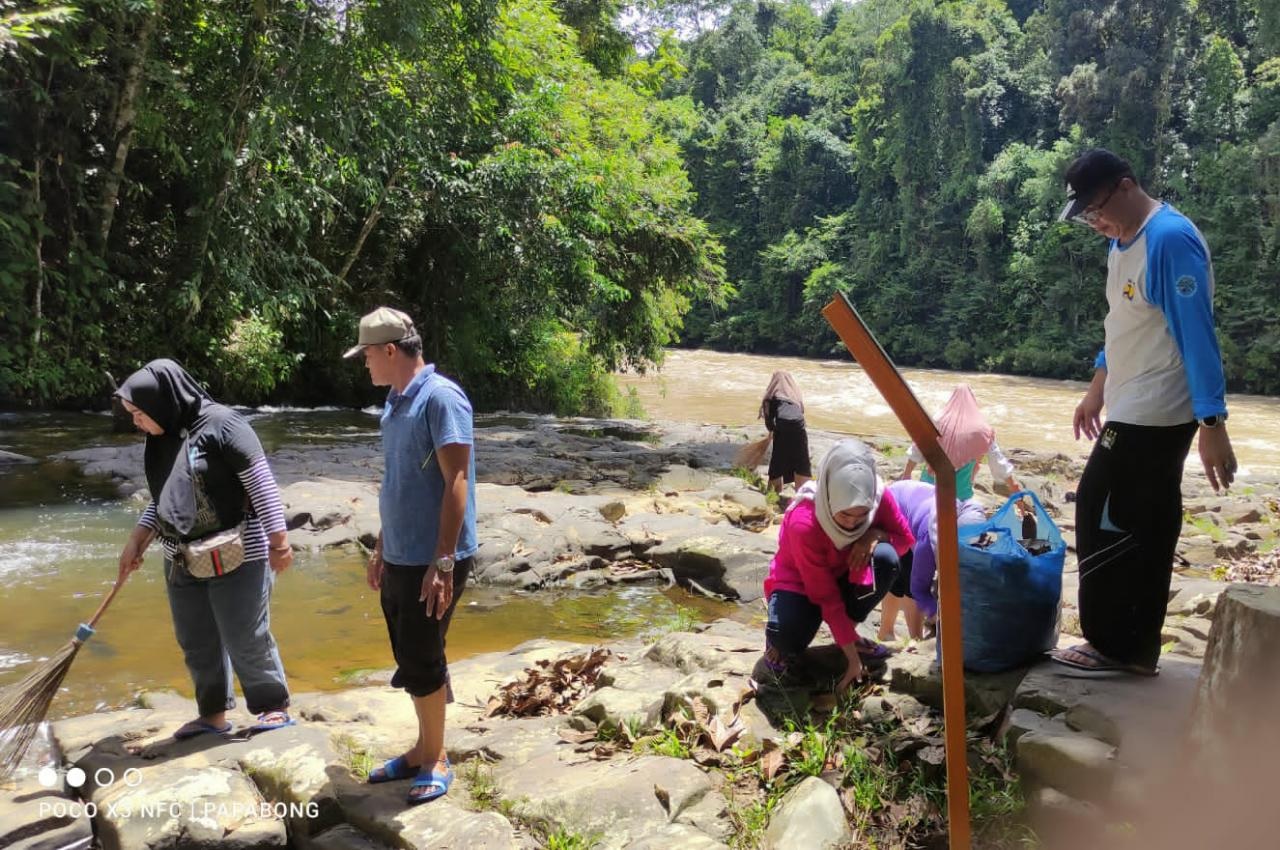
(48, 777)
(75, 777)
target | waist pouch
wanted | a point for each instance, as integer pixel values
(216, 555)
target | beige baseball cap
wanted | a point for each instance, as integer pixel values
(381, 326)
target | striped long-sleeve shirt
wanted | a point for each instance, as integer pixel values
(265, 514)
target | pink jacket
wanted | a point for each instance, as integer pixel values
(808, 562)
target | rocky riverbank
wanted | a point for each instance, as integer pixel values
(639, 746)
(583, 502)
(660, 745)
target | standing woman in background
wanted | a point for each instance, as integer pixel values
(782, 409)
(209, 477)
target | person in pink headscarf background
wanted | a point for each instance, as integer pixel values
(967, 437)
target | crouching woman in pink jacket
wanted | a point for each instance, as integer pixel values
(838, 554)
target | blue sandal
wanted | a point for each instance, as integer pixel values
(438, 781)
(269, 720)
(392, 771)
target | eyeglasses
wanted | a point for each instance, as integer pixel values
(1091, 213)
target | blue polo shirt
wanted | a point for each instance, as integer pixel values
(432, 412)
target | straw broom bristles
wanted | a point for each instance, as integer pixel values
(24, 706)
(752, 454)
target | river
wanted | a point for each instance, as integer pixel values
(61, 531)
(60, 537)
(1029, 413)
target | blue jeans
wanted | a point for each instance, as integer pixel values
(794, 620)
(224, 624)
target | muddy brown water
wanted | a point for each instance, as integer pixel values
(61, 532)
(1028, 413)
(60, 537)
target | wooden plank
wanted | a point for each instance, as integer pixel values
(862, 344)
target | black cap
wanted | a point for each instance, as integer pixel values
(1093, 171)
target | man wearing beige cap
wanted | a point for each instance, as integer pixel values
(424, 552)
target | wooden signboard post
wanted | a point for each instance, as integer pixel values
(893, 387)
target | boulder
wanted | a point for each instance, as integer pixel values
(613, 511)
(327, 512)
(614, 803)
(890, 707)
(809, 816)
(1063, 821)
(1055, 755)
(36, 814)
(616, 708)
(379, 812)
(678, 835)
(919, 675)
(181, 806)
(345, 837)
(298, 773)
(723, 560)
(13, 458)
(1239, 687)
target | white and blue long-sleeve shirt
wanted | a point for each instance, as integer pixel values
(1164, 366)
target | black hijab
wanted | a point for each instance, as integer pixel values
(164, 391)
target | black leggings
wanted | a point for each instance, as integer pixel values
(794, 620)
(1128, 517)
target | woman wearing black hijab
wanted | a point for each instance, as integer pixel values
(207, 473)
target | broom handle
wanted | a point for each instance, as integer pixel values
(103, 607)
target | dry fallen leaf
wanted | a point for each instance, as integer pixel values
(932, 755)
(548, 688)
(771, 760)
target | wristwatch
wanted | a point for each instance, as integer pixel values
(443, 564)
(1213, 421)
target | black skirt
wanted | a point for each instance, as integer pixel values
(790, 456)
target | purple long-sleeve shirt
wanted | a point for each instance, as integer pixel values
(918, 504)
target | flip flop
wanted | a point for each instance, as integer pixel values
(269, 720)
(193, 728)
(1101, 664)
(392, 771)
(436, 780)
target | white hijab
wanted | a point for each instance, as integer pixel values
(846, 479)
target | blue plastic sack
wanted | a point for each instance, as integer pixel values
(1009, 598)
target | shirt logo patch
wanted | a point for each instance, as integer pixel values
(1186, 286)
(1129, 290)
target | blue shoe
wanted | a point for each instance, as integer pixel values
(431, 785)
(396, 769)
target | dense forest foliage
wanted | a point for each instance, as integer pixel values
(557, 188)
(235, 183)
(910, 153)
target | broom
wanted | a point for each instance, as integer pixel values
(23, 706)
(752, 454)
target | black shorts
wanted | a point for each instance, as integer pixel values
(790, 455)
(417, 641)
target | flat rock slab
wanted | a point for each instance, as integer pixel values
(381, 814)
(34, 816)
(1050, 753)
(178, 807)
(616, 802)
(1137, 714)
(13, 458)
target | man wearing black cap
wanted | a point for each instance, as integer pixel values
(1160, 379)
